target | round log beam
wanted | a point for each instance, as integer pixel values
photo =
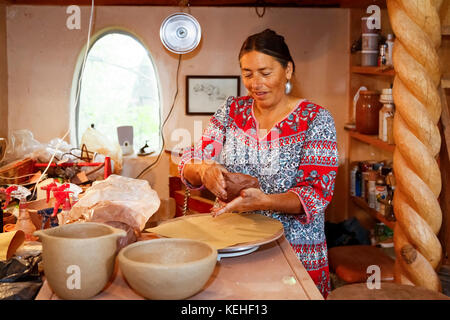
(418, 251)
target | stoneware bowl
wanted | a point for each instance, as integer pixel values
(79, 258)
(167, 269)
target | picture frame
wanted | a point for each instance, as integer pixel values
(204, 94)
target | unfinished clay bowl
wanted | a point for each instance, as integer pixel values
(79, 258)
(167, 269)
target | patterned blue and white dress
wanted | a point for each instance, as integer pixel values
(299, 154)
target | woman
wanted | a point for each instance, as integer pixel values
(288, 143)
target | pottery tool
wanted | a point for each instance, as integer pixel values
(223, 231)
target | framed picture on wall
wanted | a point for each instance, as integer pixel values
(204, 94)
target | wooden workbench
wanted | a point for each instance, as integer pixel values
(273, 272)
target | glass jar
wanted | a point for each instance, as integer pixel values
(367, 112)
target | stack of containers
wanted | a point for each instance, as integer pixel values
(370, 39)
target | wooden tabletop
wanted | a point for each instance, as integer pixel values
(273, 272)
(387, 291)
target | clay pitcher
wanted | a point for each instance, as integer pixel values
(79, 258)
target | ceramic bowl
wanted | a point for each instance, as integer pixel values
(79, 258)
(167, 269)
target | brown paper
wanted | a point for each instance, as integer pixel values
(10, 242)
(223, 231)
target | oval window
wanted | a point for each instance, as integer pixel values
(119, 88)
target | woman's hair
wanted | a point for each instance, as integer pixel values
(270, 43)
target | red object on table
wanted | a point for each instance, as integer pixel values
(8, 195)
(107, 164)
(60, 197)
(48, 188)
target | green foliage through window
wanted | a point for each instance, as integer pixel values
(119, 87)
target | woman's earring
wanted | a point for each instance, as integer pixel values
(288, 87)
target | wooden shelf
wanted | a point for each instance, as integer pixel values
(380, 71)
(375, 214)
(372, 140)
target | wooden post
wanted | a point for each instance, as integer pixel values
(417, 138)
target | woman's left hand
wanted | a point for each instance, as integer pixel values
(249, 200)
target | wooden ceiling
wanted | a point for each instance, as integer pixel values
(214, 3)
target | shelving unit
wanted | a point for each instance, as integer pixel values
(378, 71)
(360, 146)
(373, 141)
(375, 214)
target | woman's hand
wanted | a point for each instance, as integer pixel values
(250, 199)
(211, 176)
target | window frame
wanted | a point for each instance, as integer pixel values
(75, 107)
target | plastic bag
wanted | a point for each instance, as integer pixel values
(21, 143)
(118, 198)
(97, 142)
(55, 146)
(20, 278)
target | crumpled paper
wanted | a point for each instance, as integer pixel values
(118, 198)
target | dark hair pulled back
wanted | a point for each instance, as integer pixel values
(270, 43)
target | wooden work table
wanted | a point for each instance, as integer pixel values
(272, 272)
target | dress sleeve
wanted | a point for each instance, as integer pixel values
(210, 145)
(319, 163)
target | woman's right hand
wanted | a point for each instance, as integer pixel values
(210, 173)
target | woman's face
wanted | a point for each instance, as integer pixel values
(264, 77)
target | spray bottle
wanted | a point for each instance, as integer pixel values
(76, 190)
(62, 198)
(49, 188)
(24, 222)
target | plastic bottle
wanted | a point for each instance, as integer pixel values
(371, 186)
(382, 57)
(358, 181)
(390, 47)
(353, 179)
(386, 116)
(381, 194)
(62, 198)
(24, 222)
(63, 216)
(386, 112)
